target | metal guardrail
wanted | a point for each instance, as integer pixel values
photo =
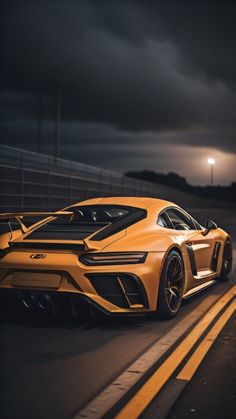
(33, 181)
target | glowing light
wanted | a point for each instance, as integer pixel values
(211, 161)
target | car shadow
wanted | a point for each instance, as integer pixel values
(90, 318)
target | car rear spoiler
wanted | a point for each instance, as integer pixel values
(19, 216)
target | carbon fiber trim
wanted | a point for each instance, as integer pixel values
(43, 246)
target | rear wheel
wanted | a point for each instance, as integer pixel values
(226, 262)
(171, 286)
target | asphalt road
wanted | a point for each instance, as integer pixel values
(52, 369)
(211, 394)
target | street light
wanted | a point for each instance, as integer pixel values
(211, 162)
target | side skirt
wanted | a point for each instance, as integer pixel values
(199, 288)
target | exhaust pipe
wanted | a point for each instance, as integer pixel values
(29, 301)
(39, 302)
(44, 303)
(47, 304)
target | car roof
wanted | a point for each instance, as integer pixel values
(134, 201)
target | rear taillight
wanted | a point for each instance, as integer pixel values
(115, 258)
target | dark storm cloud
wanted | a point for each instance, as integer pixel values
(138, 69)
(204, 31)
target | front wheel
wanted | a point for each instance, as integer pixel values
(171, 286)
(226, 262)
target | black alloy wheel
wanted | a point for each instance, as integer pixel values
(226, 262)
(171, 286)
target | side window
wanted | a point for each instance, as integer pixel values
(197, 225)
(163, 221)
(179, 220)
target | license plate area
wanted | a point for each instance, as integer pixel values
(36, 280)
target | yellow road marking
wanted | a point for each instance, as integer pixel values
(104, 401)
(137, 404)
(193, 363)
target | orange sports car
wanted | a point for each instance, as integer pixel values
(120, 254)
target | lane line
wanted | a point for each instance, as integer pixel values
(117, 389)
(124, 383)
(165, 401)
(154, 384)
(195, 360)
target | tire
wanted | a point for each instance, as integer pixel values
(171, 286)
(226, 262)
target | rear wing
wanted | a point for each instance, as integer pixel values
(19, 216)
(9, 215)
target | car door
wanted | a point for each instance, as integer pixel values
(199, 247)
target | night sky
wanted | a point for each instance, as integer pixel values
(144, 85)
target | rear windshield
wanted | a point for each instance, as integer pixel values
(116, 217)
(99, 213)
(87, 220)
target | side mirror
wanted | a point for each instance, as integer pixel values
(210, 225)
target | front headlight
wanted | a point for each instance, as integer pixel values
(115, 258)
